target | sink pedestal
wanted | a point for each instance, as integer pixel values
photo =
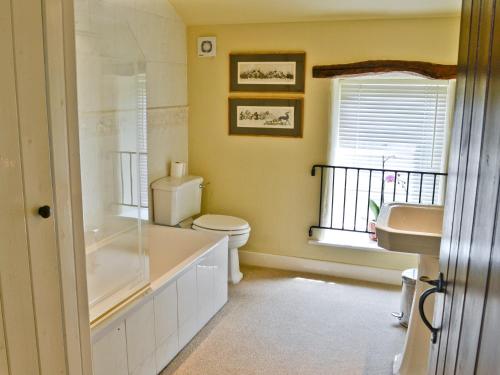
(415, 229)
(414, 358)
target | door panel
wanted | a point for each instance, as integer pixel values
(35, 154)
(205, 289)
(140, 327)
(15, 280)
(472, 199)
(220, 255)
(186, 292)
(461, 231)
(187, 306)
(456, 181)
(166, 313)
(478, 213)
(109, 353)
(166, 351)
(488, 361)
(31, 303)
(148, 367)
(59, 50)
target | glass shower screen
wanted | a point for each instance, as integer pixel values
(111, 82)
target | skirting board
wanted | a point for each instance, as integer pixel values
(349, 271)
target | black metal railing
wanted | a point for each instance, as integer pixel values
(131, 170)
(346, 192)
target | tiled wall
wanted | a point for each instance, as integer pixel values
(132, 38)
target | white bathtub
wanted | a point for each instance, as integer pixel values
(188, 273)
(171, 250)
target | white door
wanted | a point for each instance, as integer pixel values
(32, 339)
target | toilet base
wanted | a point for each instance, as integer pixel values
(234, 275)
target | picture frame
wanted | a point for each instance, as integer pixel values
(267, 72)
(279, 117)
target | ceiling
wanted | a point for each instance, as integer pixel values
(212, 12)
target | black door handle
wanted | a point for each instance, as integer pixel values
(44, 212)
(438, 287)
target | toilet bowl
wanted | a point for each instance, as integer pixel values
(238, 231)
(177, 199)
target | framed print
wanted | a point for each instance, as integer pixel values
(266, 116)
(279, 72)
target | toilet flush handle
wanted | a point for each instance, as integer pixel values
(203, 185)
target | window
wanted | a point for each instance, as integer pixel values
(131, 165)
(391, 123)
(395, 124)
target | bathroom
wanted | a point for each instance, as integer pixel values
(156, 223)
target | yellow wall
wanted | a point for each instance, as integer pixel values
(266, 180)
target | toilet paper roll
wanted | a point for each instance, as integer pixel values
(178, 169)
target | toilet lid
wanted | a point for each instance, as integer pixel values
(221, 222)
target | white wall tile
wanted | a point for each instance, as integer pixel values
(151, 33)
(167, 139)
(82, 15)
(166, 84)
(177, 42)
(159, 7)
(86, 44)
(119, 3)
(157, 84)
(177, 76)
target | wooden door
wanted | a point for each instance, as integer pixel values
(32, 339)
(468, 311)
(19, 353)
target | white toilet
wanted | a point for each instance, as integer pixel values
(238, 231)
(176, 200)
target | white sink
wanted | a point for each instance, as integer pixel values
(413, 228)
(410, 228)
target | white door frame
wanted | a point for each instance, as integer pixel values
(60, 55)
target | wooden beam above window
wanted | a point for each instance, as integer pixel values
(426, 69)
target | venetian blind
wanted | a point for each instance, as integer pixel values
(404, 121)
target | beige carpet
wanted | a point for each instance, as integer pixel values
(279, 322)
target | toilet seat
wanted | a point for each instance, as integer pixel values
(229, 225)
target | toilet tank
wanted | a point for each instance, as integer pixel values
(176, 199)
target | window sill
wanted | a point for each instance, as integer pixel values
(347, 240)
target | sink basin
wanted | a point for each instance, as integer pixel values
(410, 228)
(413, 228)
